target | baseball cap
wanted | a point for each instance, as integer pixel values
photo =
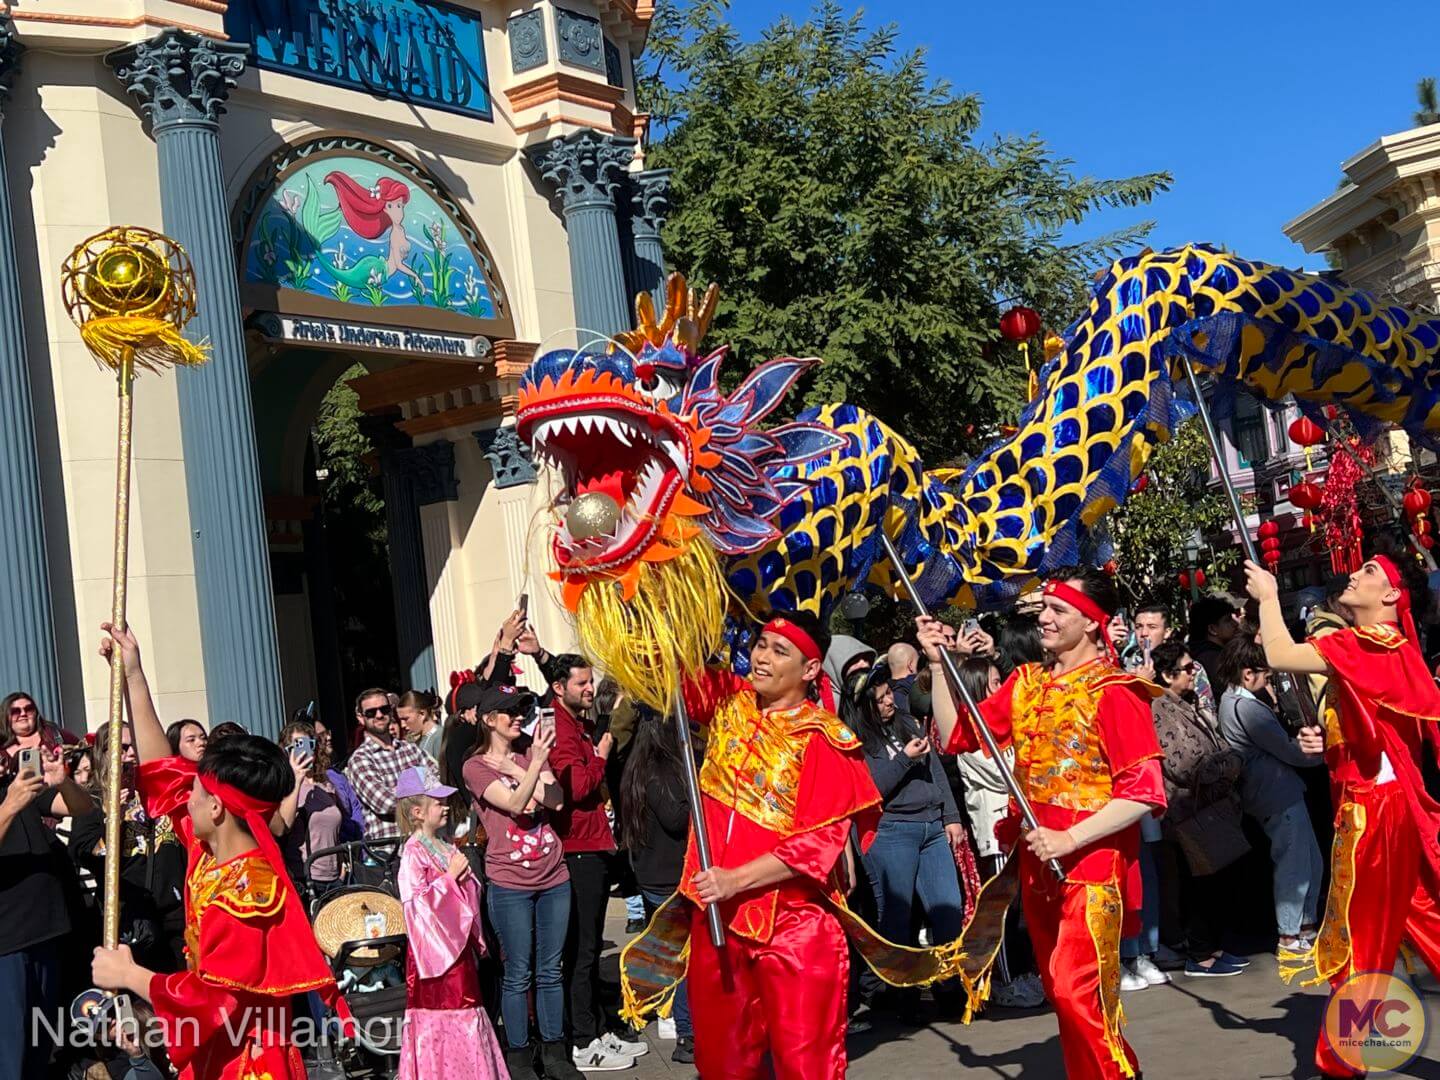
(506, 699)
(465, 696)
(420, 781)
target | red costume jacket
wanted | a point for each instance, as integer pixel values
(227, 1015)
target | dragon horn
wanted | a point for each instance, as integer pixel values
(687, 335)
(645, 316)
(708, 304)
(674, 297)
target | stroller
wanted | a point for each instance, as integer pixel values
(360, 927)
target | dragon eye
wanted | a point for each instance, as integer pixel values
(645, 372)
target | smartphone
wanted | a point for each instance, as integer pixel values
(303, 745)
(971, 626)
(30, 759)
(522, 605)
(1147, 653)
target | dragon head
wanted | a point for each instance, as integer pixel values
(652, 455)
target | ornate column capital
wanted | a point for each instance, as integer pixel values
(584, 167)
(651, 202)
(179, 76)
(508, 456)
(10, 50)
(430, 470)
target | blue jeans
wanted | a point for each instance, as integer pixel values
(530, 922)
(29, 980)
(912, 860)
(1298, 868)
(1148, 940)
(684, 1029)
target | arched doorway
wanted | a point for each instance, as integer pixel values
(353, 261)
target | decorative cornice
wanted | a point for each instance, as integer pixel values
(562, 86)
(509, 458)
(513, 357)
(651, 202)
(585, 167)
(406, 384)
(180, 77)
(114, 23)
(462, 417)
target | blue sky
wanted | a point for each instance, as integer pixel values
(1251, 106)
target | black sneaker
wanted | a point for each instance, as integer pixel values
(684, 1052)
(634, 926)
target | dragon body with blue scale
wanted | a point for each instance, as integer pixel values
(677, 504)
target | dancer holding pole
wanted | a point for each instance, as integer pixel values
(1088, 763)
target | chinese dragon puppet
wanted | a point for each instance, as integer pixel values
(683, 519)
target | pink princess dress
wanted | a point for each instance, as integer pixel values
(447, 1035)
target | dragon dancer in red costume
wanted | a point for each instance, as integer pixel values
(1383, 707)
(782, 784)
(1088, 760)
(248, 944)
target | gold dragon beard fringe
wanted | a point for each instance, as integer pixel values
(158, 343)
(667, 632)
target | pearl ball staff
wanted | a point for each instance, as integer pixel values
(129, 290)
(967, 699)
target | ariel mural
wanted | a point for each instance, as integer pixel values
(355, 230)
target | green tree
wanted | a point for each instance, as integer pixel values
(1429, 111)
(845, 204)
(1152, 530)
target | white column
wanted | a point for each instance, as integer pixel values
(439, 541)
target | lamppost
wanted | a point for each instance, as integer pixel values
(1192, 557)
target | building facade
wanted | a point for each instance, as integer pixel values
(431, 190)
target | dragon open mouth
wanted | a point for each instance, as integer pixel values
(611, 450)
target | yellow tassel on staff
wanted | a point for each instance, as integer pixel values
(130, 291)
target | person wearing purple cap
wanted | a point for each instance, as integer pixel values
(445, 1018)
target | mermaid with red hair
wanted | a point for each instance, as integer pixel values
(371, 212)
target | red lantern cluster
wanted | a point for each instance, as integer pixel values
(1417, 510)
(1270, 544)
(1020, 323)
(1185, 579)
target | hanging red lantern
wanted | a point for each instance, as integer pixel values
(1416, 501)
(1305, 432)
(1184, 579)
(1268, 529)
(1332, 412)
(1270, 543)
(1422, 526)
(1020, 323)
(1306, 496)
(1199, 579)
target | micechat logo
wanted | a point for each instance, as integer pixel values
(1374, 1021)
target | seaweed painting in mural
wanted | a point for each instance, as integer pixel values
(353, 230)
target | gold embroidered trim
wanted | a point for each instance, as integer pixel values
(1104, 912)
(1332, 950)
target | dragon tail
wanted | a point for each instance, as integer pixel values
(1030, 503)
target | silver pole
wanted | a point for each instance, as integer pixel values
(962, 693)
(697, 812)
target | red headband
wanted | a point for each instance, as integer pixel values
(1087, 607)
(1402, 606)
(809, 649)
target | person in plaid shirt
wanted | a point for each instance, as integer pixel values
(376, 764)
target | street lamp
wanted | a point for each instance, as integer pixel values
(1192, 556)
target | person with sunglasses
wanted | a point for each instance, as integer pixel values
(376, 764)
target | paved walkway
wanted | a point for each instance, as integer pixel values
(1249, 1026)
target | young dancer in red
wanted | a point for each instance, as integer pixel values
(248, 944)
(1385, 863)
(1087, 758)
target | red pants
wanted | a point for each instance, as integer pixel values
(1393, 900)
(787, 997)
(1068, 951)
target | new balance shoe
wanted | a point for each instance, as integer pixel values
(1130, 979)
(1146, 969)
(631, 1048)
(596, 1058)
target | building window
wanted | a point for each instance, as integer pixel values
(1247, 429)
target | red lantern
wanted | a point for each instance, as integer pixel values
(1422, 526)
(1269, 528)
(1332, 412)
(1020, 323)
(1426, 542)
(1184, 579)
(1416, 501)
(1270, 543)
(1306, 496)
(1141, 483)
(1305, 432)
(1199, 579)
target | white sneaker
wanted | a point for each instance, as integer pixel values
(624, 1047)
(1130, 979)
(665, 1030)
(1146, 969)
(595, 1058)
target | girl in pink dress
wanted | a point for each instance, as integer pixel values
(447, 1035)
